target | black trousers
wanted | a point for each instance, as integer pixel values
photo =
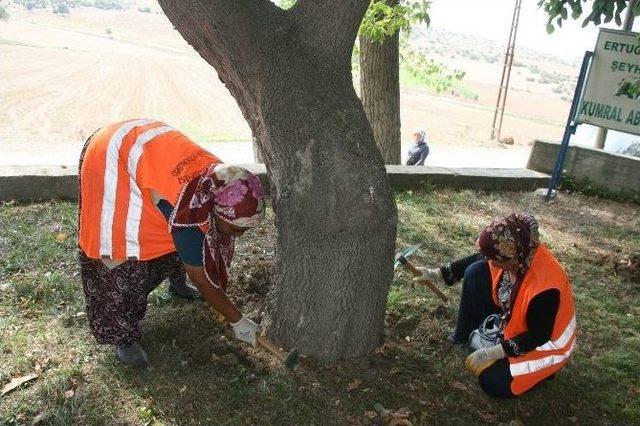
(476, 303)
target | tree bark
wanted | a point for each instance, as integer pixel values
(257, 154)
(380, 92)
(290, 73)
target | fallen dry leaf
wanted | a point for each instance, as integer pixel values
(397, 418)
(352, 420)
(370, 414)
(573, 419)
(354, 384)
(14, 383)
(397, 421)
(69, 394)
(458, 385)
(61, 237)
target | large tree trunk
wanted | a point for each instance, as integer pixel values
(380, 92)
(335, 215)
(257, 154)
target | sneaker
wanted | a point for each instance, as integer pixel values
(185, 290)
(132, 355)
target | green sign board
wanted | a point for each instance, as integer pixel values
(612, 95)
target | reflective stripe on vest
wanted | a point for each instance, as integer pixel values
(562, 341)
(134, 214)
(111, 185)
(527, 367)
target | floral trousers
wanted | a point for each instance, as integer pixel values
(116, 298)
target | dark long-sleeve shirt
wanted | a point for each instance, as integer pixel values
(417, 154)
(541, 312)
(188, 240)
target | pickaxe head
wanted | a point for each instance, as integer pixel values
(404, 254)
(291, 360)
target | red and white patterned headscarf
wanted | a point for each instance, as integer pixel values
(515, 237)
(230, 193)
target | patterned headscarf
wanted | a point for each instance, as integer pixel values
(514, 237)
(230, 193)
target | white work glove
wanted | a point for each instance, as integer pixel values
(432, 275)
(483, 358)
(246, 330)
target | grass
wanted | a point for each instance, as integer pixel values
(199, 375)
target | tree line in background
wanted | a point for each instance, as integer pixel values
(64, 6)
(4, 14)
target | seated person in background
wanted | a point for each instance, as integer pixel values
(516, 277)
(419, 150)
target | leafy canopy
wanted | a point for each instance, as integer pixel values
(602, 11)
(383, 19)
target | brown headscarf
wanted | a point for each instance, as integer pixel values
(231, 193)
(513, 238)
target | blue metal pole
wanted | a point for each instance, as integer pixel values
(570, 127)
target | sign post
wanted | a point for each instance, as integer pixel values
(570, 127)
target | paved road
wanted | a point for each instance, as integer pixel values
(242, 152)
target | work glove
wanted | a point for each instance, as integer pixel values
(432, 275)
(246, 330)
(483, 358)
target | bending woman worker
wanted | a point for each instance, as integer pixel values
(516, 277)
(152, 205)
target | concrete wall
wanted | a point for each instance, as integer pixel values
(23, 184)
(614, 172)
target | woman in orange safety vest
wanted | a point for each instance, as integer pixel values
(153, 205)
(517, 278)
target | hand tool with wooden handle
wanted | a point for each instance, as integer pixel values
(289, 359)
(401, 259)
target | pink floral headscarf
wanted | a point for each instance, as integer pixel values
(230, 193)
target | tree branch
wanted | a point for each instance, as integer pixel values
(231, 36)
(330, 27)
(237, 27)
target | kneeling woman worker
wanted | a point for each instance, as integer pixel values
(516, 277)
(152, 205)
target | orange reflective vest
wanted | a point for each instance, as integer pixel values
(544, 273)
(123, 163)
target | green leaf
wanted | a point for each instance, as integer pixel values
(550, 28)
(608, 10)
(597, 20)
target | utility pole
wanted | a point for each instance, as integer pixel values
(506, 74)
(627, 25)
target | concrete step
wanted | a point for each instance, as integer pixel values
(38, 183)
